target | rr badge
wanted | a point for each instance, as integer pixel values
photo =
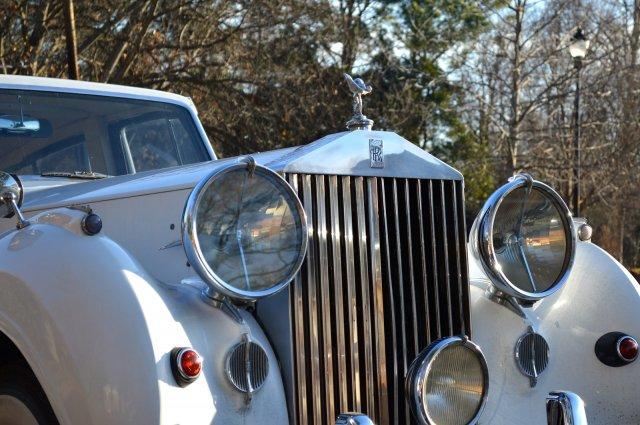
(376, 156)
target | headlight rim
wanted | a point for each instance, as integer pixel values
(191, 243)
(483, 238)
(419, 370)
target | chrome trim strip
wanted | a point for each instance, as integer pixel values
(434, 259)
(456, 225)
(390, 287)
(423, 260)
(337, 284)
(409, 259)
(300, 357)
(378, 299)
(445, 251)
(316, 407)
(366, 297)
(353, 306)
(325, 299)
(400, 280)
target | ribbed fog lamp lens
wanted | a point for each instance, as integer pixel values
(525, 239)
(447, 383)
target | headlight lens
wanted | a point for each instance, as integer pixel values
(244, 231)
(448, 383)
(525, 239)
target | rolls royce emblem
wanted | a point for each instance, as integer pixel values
(375, 153)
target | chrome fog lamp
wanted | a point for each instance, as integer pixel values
(524, 238)
(244, 231)
(448, 383)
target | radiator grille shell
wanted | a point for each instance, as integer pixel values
(385, 275)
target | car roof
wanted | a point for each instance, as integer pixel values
(19, 82)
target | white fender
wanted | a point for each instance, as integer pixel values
(97, 331)
(599, 297)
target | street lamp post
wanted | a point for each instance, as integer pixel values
(578, 50)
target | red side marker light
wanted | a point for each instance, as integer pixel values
(186, 365)
(627, 348)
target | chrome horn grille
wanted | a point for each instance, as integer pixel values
(386, 257)
(247, 367)
(532, 355)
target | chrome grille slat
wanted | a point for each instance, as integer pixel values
(389, 291)
(326, 358)
(365, 304)
(298, 321)
(352, 302)
(337, 283)
(380, 361)
(385, 276)
(312, 304)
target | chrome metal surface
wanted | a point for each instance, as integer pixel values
(358, 89)
(585, 231)
(499, 297)
(247, 367)
(482, 242)
(419, 372)
(565, 408)
(353, 419)
(10, 190)
(218, 300)
(192, 247)
(348, 154)
(385, 275)
(532, 355)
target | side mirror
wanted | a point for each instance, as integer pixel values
(11, 198)
(565, 408)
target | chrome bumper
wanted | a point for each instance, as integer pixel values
(565, 408)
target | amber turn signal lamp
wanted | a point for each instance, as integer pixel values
(186, 365)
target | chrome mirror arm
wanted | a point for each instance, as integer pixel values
(565, 408)
(10, 199)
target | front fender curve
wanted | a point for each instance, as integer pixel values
(68, 302)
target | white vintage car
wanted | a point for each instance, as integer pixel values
(144, 281)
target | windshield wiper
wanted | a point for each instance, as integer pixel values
(89, 175)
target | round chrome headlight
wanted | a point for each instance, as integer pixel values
(448, 383)
(244, 231)
(525, 239)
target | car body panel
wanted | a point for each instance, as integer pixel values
(599, 297)
(97, 329)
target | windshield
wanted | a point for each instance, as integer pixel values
(45, 133)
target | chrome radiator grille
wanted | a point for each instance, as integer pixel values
(386, 274)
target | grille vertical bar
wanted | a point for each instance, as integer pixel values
(385, 275)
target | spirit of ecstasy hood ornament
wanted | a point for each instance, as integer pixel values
(359, 89)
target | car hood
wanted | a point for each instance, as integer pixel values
(346, 153)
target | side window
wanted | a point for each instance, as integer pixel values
(159, 141)
(151, 144)
(189, 151)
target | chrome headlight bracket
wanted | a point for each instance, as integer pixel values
(482, 243)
